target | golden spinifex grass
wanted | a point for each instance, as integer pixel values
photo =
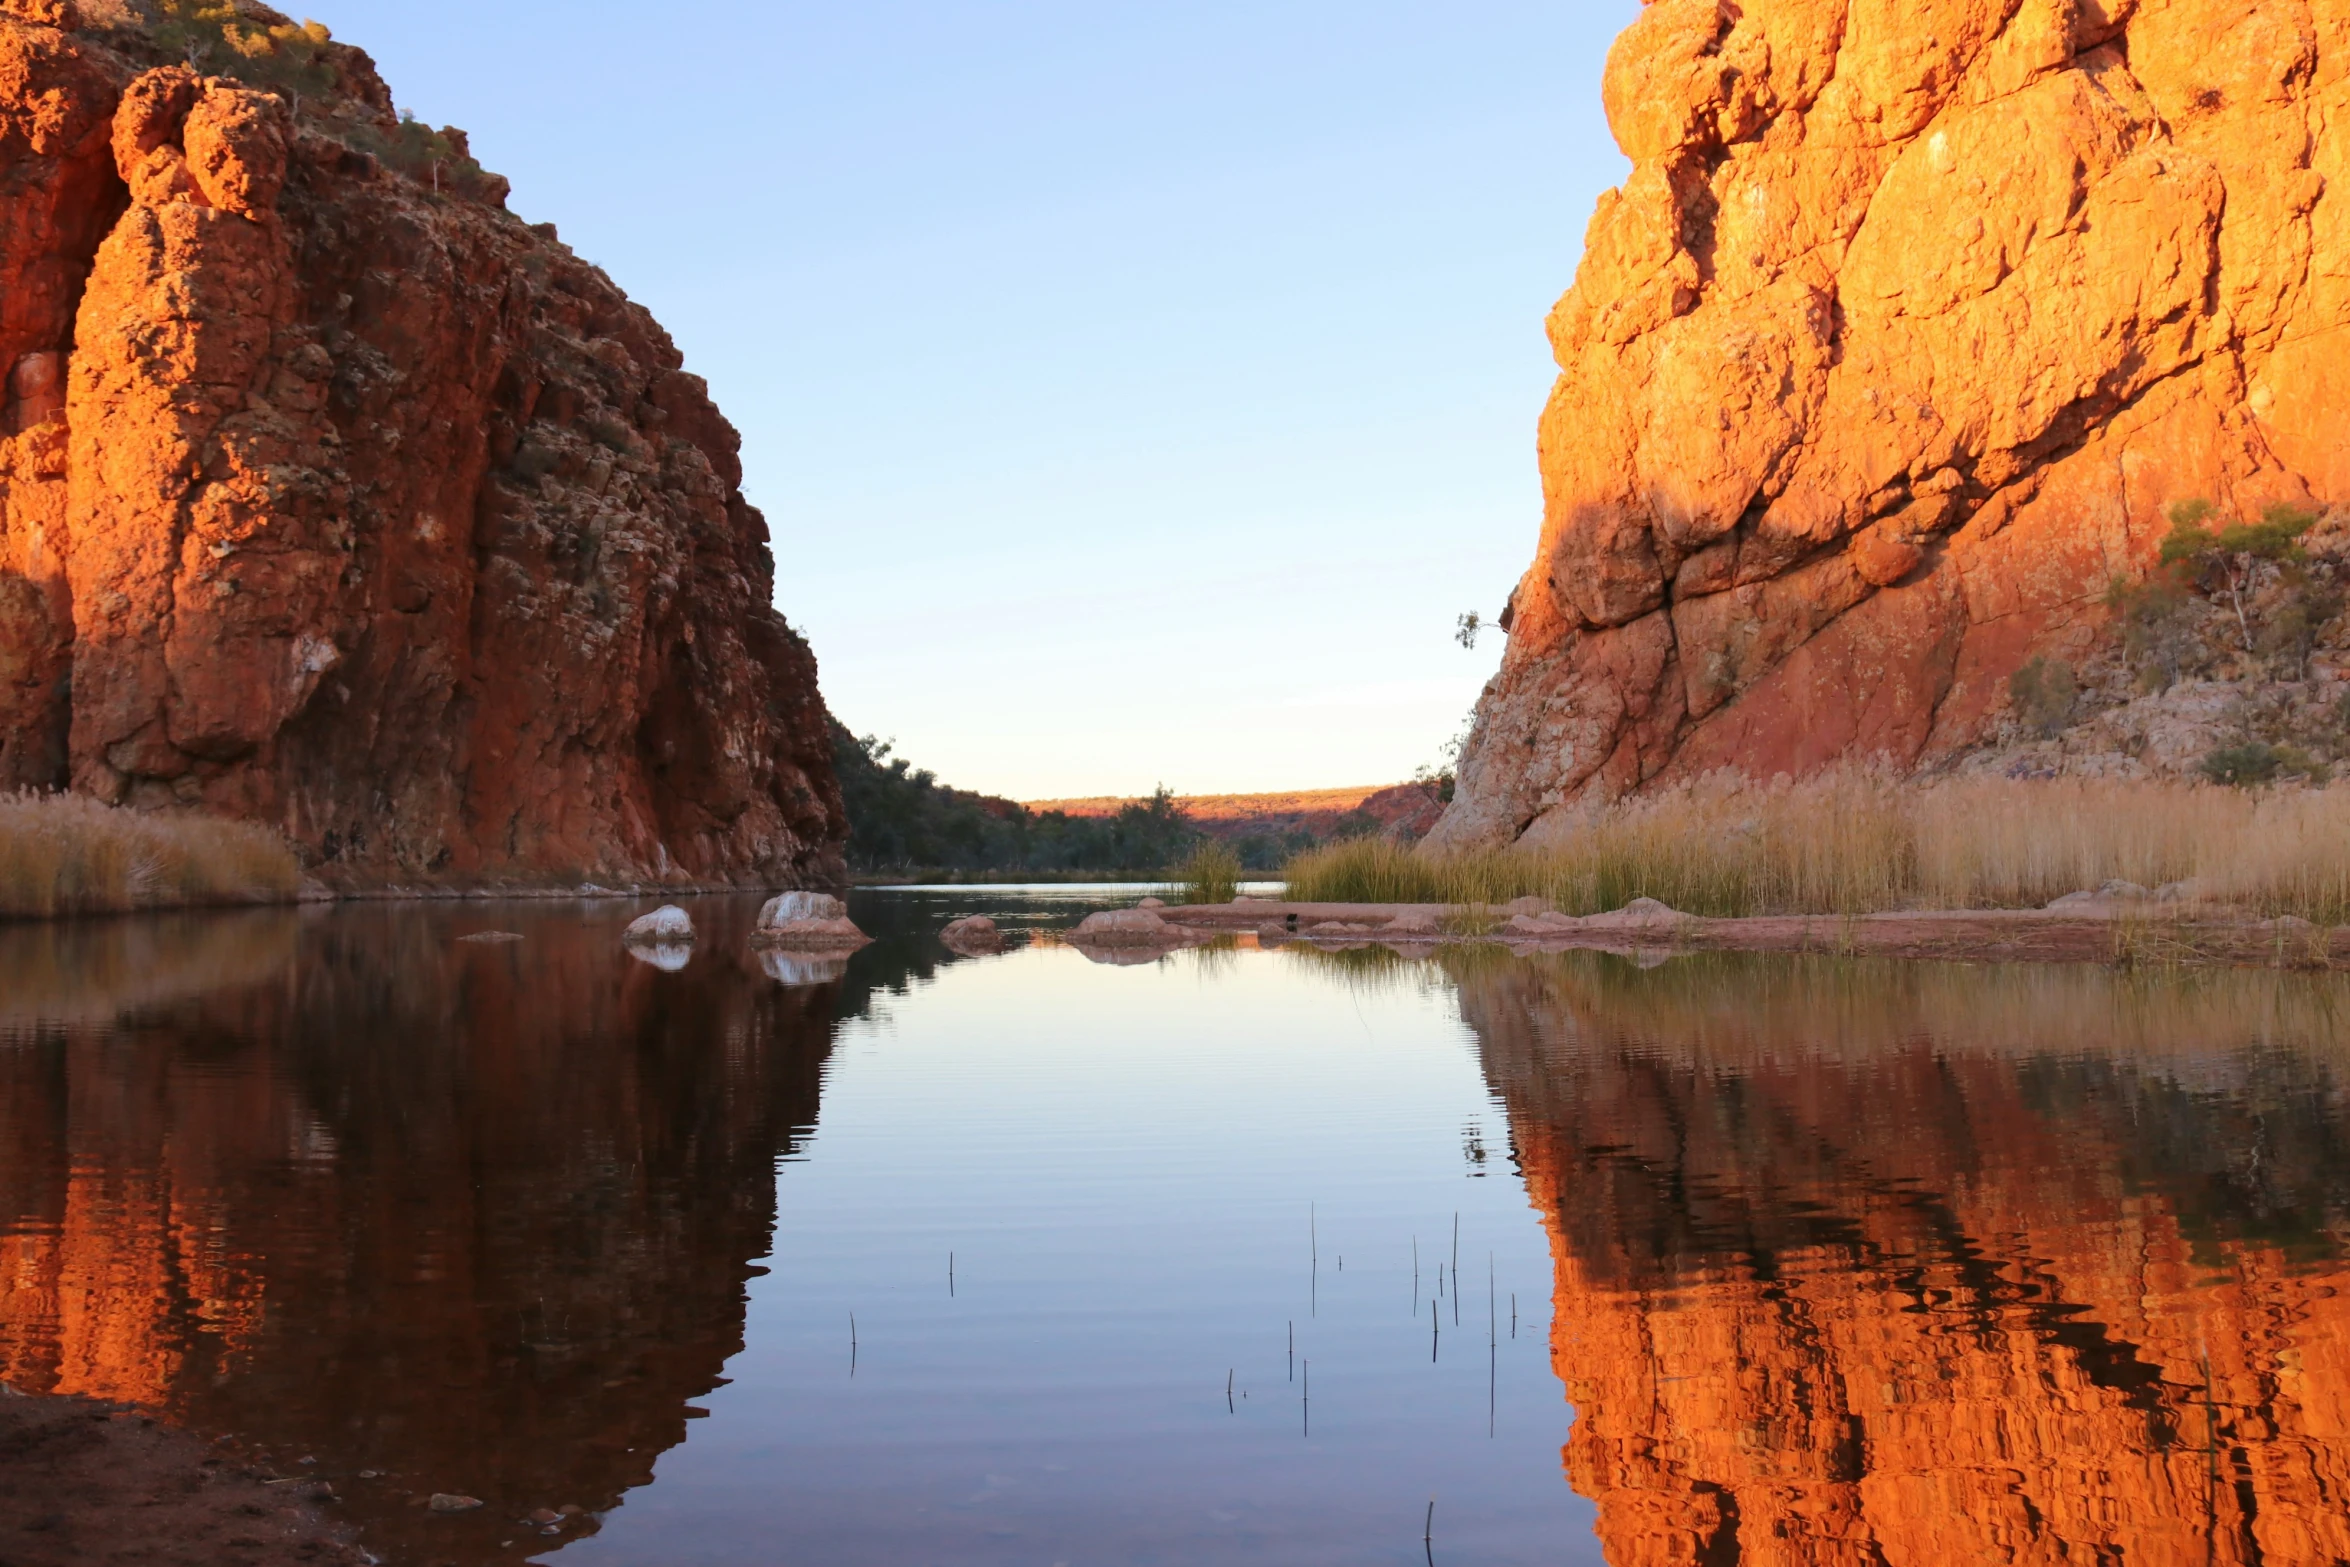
(1210, 875)
(1859, 843)
(67, 854)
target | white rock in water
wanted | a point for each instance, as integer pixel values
(791, 908)
(667, 925)
(668, 959)
(807, 922)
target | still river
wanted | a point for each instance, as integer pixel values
(1239, 1256)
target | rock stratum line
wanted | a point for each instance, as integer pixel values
(336, 497)
(1887, 358)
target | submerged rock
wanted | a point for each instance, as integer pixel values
(807, 922)
(1126, 928)
(972, 935)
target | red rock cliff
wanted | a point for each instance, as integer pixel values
(1910, 321)
(334, 496)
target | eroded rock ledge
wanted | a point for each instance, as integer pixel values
(1909, 323)
(334, 496)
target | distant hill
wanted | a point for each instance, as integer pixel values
(1292, 819)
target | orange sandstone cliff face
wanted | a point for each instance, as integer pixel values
(1909, 323)
(334, 496)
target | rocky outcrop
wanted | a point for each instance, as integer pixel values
(1890, 355)
(334, 496)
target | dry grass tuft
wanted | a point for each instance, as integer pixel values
(1859, 843)
(1211, 875)
(67, 854)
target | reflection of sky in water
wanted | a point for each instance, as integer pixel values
(1939, 1262)
(1133, 1168)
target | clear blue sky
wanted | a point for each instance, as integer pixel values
(1136, 393)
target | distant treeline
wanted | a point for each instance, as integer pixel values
(903, 821)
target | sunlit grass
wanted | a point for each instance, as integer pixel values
(67, 854)
(1211, 875)
(1860, 843)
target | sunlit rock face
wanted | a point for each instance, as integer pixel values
(1929, 1266)
(1908, 324)
(337, 497)
(478, 1217)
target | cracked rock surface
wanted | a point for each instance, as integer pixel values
(335, 496)
(1909, 324)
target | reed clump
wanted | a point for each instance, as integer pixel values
(67, 854)
(1862, 843)
(1210, 875)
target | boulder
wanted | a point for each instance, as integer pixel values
(807, 922)
(666, 926)
(1152, 903)
(2103, 897)
(972, 935)
(1126, 928)
(1639, 914)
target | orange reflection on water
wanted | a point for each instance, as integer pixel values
(463, 1218)
(1938, 1266)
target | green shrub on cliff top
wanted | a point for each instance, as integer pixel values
(216, 37)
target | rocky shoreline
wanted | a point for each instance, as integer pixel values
(2095, 930)
(93, 1482)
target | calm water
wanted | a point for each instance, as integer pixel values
(1241, 1256)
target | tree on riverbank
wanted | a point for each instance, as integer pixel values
(902, 820)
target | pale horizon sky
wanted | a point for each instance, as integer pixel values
(1136, 395)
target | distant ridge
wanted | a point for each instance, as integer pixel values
(1405, 810)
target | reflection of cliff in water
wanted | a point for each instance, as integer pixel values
(479, 1216)
(1879, 1264)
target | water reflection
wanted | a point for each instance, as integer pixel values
(475, 1216)
(1850, 1262)
(1869, 1263)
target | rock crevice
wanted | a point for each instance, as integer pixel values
(1890, 354)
